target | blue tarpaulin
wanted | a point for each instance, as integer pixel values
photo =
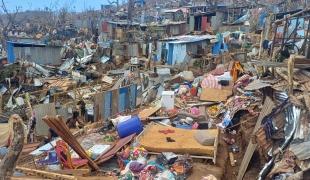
(219, 46)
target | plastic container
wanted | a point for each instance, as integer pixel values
(167, 100)
(130, 126)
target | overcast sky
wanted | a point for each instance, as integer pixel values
(72, 5)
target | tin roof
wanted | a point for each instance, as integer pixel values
(189, 38)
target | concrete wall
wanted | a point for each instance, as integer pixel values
(40, 55)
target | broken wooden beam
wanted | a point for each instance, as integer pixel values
(45, 174)
(267, 108)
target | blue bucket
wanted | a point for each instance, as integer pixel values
(130, 126)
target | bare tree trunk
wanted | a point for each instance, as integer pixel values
(4, 38)
(8, 163)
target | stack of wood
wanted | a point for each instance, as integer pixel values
(59, 126)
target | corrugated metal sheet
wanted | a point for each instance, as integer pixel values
(38, 53)
(191, 23)
(189, 38)
(159, 50)
(170, 53)
(133, 50)
(179, 54)
(42, 110)
(123, 99)
(174, 30)
(133, 96)
(292, 118)
(116, 101)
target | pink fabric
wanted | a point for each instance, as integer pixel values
(195, 125)
(210, 82)
(219, 70)
(195, 111)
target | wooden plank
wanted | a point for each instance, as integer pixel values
(74, 172)
(27, 178)
(96, 178)
(98, 106)
(107, 79)
(232, 159)
(267, 108)
(42, 110)
(145, 113)
(102, 108)
(115, 101)
(44, 174)
(1, 103)
(290, 73)
(107, 105)
(192, 156)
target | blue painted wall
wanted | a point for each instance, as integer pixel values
(10, 52)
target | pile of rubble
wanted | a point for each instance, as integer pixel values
(234, 105)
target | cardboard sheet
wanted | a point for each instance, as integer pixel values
(4, 133)
(184, 142)
(215, 95)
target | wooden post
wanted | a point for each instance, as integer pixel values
(272, 46)
(284, 33)
(261, 44)
(290, 73)
(274, 40)
(0, 103)
(8, 163)
(27, 97)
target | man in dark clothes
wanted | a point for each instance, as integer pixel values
(71, 122)
(50, 136)
(82, 107)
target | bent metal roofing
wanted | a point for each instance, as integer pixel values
(189, 38)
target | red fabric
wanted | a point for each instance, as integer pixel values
(9, 140)
(167, 131)
(204, 21)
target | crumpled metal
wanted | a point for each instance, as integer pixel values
(292, 117)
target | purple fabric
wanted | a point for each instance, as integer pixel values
(136, 167)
